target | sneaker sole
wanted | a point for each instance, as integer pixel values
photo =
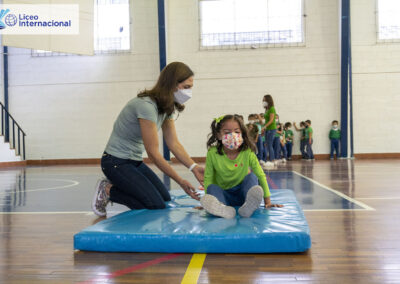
(96, 193)
(253, 200)
(213, 206)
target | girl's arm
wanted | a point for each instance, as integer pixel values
(150, 141)
(169, 133)
(295, 126)
(310, 137)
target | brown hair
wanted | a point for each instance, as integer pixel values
(216, 128)
(163, 91)
(269, 100)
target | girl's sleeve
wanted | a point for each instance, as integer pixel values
(258, 171)
(209, 171)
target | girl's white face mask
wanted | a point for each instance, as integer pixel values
(232, 141)
(181, 96)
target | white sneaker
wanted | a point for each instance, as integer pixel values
(268, 166)
(276, 162)
(213, 206)
(100, 198)
(253, 200)
(283, 161)
(262, 163)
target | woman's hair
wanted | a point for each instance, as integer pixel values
(163, 91)
(216, 128)
(269, 100)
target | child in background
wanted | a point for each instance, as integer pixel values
(261, 122)
(334, 136)
(289, 140)
(309, 140)
(277, 142)
(283, 144)
(256, 127)
(227, 180)
(302, 131)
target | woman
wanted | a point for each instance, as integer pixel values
(270, 127)
(130, 182)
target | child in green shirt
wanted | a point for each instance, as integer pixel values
(309, 141)
(302, 130)
(334, 136)
(227, 179)
(289, 140)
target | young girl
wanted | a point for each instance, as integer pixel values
(289, 140)
(302, 131)
(227, 179)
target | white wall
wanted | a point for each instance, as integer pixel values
(67, 105)
(302, 80)
(376, 84)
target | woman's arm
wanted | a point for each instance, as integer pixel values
(169, 133)
(150, 141)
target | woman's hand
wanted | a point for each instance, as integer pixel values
(189, 189)
(199, 174)
(268, 204)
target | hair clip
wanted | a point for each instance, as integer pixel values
(218, 120)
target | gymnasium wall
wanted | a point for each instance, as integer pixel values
(67, 104)
(376, 84)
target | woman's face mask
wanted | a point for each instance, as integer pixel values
(265, 104)
(181, 96)
(232, 141)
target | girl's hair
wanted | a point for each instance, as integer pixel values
(216, 128)
(335, 121)
(163, 91)
(302, 123)
(252, 132)
(288, 124)
(269, 100)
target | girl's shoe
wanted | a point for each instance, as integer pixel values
(253, 200)
(268, 166)
(283, 161)
(215, 207)
(276, 162)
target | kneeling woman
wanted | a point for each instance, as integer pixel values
(129, 181)
(227, 179)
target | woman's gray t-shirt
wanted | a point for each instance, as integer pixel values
(126, 138)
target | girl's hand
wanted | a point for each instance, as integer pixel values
(268, 204)
(189, 189)
(199, 174)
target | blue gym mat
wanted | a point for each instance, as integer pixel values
(181, 228)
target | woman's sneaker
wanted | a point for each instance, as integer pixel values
(100, 198)
(253, 200)
(215, 207)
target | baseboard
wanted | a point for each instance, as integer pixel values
(13, 164)
(377, 156)
(59, 162)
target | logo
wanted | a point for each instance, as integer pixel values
(2, 14)
(11, 20)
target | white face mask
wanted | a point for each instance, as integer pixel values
(251, 121)
(265, 104)
(335, 126)
(256, 121)
(181, 96)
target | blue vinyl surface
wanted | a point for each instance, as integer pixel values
(181, 228)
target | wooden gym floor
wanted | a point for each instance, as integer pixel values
(352, 207)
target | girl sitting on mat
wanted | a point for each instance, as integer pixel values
(227, 179)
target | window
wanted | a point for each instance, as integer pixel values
(250, 23)
(388, 20)
(111, 28)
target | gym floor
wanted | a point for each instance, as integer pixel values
(352, 208)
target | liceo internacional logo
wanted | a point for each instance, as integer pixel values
(32, 19)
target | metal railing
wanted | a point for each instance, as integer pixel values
(14, 137)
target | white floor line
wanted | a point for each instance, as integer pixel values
(59, 212)
(378, 198)
(359, 203)
(336, 210)
(74, 183)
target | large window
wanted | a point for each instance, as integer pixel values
(251, 23)
(111, 28)
(388, 20)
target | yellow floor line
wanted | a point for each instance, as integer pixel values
(193, 271)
